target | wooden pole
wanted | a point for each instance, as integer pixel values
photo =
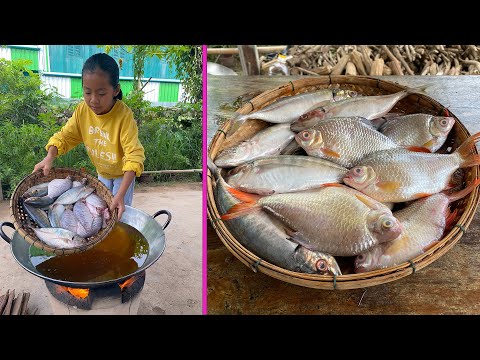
(249, 59)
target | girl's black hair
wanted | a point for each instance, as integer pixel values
(107, 64)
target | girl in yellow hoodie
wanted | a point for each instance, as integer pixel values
(105, 124)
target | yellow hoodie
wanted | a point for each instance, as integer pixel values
(111, 139)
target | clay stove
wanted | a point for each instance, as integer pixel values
(112, 299)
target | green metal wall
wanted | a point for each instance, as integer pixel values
(168, 92)
(77, 91)
(26, 54)
(76, 88)
(70, 58)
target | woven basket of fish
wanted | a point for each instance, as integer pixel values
(63, 213)
(342, 182)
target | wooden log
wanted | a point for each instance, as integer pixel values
(367, 61)
(425, 69)
(350, 69)
(323, 70)
(24, 309)
(307, 71)
(340, 66)
(395, 66)
(399, 56)
(8, 306)
(3, 302)
(356, 58)
(433, 69)
(231, 51)
(377, 67)
(386, 70)
(472, 62)
(17, 304)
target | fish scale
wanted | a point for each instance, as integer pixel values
(351, 138)
(328, 219)
(417, 173)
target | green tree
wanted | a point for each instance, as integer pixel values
(186, 58)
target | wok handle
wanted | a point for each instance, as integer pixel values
(2, 234)
(164, 212)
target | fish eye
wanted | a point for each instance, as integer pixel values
(361, 257)
(306, 135)
(358, 171)
(321, 265)
(387, 223)
(443, 122)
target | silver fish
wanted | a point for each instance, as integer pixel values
(284, 173)
(39, 201)
(55, 213)
(337, 220)
(59, 238)
(95, 204)
(37, 215)
(69, 221)
(83, 215)
(270, 141)
(36, 191)
(289, 108)
(398, 175)
(74, 194)
(344, 141)
(57, 187)
(422, 130)
(369, 107)
(424, 222)
(265, 237)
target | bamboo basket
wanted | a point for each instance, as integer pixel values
(22, 221)
(367, 86)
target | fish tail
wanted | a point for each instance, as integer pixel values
(466, 151)
(235, 122)
(213, 168)
(464, 192)
(248, 204)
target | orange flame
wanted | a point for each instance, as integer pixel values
(128, 282)
(78, 293)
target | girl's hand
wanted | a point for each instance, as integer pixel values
(45, 164)
(118, 203)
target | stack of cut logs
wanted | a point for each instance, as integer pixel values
(11, 305)
(384, 60)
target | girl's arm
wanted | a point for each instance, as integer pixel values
(118, 199)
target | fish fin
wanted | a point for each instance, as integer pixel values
(418, 149)
(243, 196)
(330, 152)
(466, 151)
(213, 168)
(464, 192)
(420, 195)
(332, 184)
(367, 201)
(418, 89)
(240, 210)
(429, 246)
(297, 237)
(451, 215)
(388, 186)
(429, 144)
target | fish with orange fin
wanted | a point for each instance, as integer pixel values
(423, 130)
(424, 223)
(289, 108)
(369, 107)
(344, 141)
(334, 219)
(399, 175)
(265, 236)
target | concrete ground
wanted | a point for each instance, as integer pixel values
(173, 283)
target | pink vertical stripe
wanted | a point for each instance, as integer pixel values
(204, 180)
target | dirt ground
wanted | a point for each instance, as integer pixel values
(173, 283)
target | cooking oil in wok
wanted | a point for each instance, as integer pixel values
(121, 253)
